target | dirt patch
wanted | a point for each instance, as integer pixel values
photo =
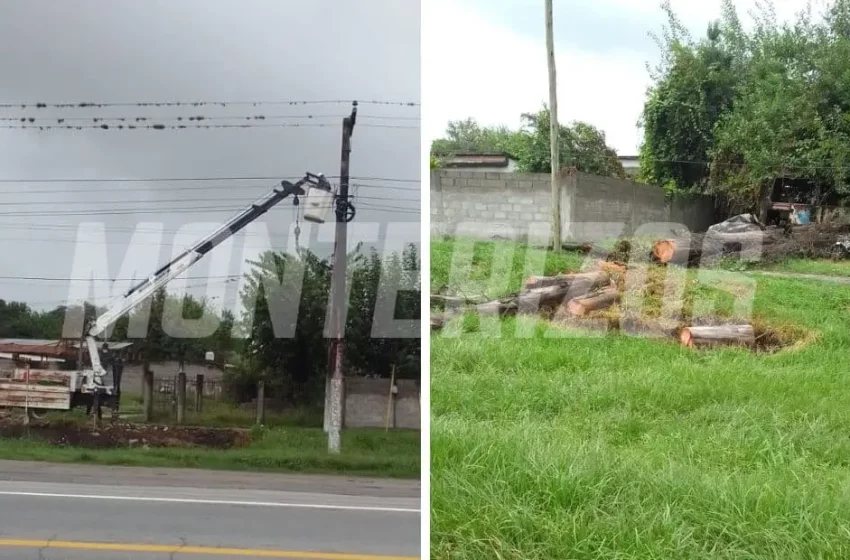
(125, 434)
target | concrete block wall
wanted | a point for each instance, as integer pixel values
(367, 400)
(490, 204)
(516, 206)
(605, 207)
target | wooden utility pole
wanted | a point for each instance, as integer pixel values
(338, 304)
(554, 130)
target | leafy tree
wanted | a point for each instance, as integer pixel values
(582, 145)
(742, 113)
(287, 346)
(469, 136)
(694, 85)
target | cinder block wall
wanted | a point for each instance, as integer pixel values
(366, 403)
(517, 206)
(490, 205)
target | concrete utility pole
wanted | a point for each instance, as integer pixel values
(554, 130)
(338, 303)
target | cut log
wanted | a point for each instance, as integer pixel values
(720, 335)
(573, 285)
(580, 306)
(590, 279)
(711, 246)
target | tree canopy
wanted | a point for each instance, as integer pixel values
(282, 337)
(581, 145)
(740, 112)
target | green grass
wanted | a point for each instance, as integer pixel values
(303, 450)
(825, 267)
(545, 446)
(493, 269)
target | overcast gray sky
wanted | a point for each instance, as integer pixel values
(126, 51)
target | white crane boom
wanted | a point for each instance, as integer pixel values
(93, 379)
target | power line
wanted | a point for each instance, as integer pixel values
(159, 127)
(162, 201)
(293, 102)
(75, 227)
(194, 118)
(204, 187)
(55, 279)
(192, 210)
(191, 179)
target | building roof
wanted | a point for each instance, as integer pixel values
(471, 159)
(37, 346)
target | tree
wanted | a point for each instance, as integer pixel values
(741, 114)
(294, 366)
(469, 136)
(582, 145)
(695, 85)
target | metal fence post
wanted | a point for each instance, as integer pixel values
(199, 392)
(181, 397)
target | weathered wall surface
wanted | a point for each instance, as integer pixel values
(605, 207)
(517, 206)
(490, 205)
(367, 400)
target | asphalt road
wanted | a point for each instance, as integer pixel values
(71, 511)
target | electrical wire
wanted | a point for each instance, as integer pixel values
(159, 127)
(101, 104)
(198, 118)
(205, 187)
(158, 201)
(191, 210)
(191, 179)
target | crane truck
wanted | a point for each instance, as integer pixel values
(58, 390)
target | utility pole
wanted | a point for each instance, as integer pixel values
(554, 131)
(344, 214)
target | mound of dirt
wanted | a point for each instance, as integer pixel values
(126, 434)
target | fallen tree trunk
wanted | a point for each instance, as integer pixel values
(582, 280)
(557, 290)
(533, 300)
(712, 246)
(580, 306)
(720, 335)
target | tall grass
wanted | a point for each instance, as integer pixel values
(627, 447)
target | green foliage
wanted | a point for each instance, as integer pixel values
(740, 112)
(581, 145)
(285, 303)
(468, 136)
(293, 292)
(694, 85)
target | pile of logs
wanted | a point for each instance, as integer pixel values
(541, 293)
(578, 295)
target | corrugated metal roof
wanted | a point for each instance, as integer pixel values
(33, 341)
(49, 347)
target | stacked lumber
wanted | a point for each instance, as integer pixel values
(37, 389)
